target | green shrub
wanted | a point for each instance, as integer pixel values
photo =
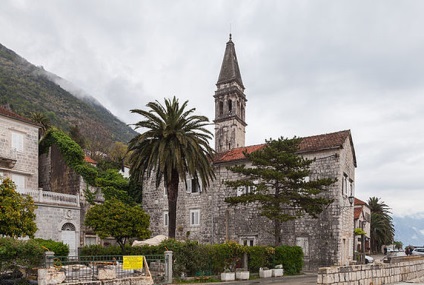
(59, 248)
(291, 257)
(16, 254)
(259, 256)
(194, 259)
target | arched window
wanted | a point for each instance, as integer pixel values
(230, 106)
(68, 227)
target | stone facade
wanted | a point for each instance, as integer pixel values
(18, 150)
(203, 215)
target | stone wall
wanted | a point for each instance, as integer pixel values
(55, 175)
(381, 273)
(51, 218)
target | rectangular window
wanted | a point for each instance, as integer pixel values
(248, 241)
(19, 182)
(90, 240)
(194, 217)
(193, 185)
(247, 189)
(344, 184)
(165, 218)
(17, 141)
(303, 242)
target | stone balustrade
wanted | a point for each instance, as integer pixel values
(405, 269)
(41, 196)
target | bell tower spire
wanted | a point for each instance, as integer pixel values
(230, 103)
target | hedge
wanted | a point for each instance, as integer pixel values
(59, 248)
(16, 254)
(193, 259)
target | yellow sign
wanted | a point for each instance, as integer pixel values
(133, 262)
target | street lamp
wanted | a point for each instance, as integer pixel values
(351, 199)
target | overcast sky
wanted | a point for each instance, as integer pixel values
(309, 67)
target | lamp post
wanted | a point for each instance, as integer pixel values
(351, 199)
(363, 223)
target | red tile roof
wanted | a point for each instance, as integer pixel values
(236, 153)
(307, 145)
(8, 113)
(323, 142)
(359, 202)
(357, 213)
(89, 160)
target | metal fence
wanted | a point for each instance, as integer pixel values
(87, 268)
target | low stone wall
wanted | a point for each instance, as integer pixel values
(399, 270)
(52, 277)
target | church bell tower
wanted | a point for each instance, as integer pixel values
(230, 104)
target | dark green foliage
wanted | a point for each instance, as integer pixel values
(291, 257)
(28, 89)
(17, 253)
(278, 184)
(196, 259)
(17, 212)
(71, 151)
(114, 185)
(119, 220)
(260, 256)
(72, 154)
(59, 248)
(382, 228)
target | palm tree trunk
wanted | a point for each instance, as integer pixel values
(172, 203)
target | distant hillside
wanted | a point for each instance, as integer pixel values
(28, 88)
(409, 230)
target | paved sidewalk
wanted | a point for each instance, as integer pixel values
(305, 278)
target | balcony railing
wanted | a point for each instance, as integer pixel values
(49, 197)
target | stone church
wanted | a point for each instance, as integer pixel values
(203, 215)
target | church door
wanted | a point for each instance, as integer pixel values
(69, 238)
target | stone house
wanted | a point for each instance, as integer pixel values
(57, 191)
(19, 150)
(203, 215)
(362, 220)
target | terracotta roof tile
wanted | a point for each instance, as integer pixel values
(236, 153)
(8, 113)
(324, 141)
(308, 144)
(89, 160)
(357, 213)
(359, 202)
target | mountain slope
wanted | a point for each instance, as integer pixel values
(409, 230)
(27, 88)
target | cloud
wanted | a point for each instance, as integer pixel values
(309, 67)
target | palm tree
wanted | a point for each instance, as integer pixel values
(175, 144)
(382, 229)
(42, 120)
